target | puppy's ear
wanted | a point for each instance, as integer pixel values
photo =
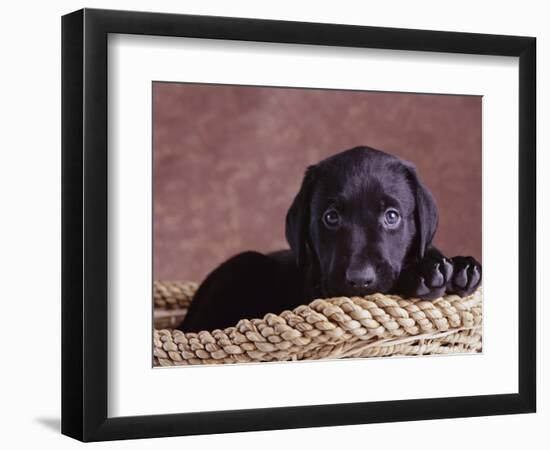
(297, 218)
(426, 215)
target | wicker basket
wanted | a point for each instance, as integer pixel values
(356, 327)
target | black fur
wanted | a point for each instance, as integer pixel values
(343, 243)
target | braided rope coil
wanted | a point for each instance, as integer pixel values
(342, 327)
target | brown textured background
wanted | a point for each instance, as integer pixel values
(228, 161)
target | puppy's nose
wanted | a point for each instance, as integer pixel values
(360, 278)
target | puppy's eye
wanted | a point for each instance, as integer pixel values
(391, 218)
(331, 219)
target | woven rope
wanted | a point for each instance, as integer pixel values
(171, 300)
(376, 325)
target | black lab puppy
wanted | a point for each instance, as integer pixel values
(361, 223)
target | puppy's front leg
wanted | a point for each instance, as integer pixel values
(427, 278)
(435, 275)
(466, 276)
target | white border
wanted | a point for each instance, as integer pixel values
(136, 389)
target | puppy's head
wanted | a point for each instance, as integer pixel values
(360, 217)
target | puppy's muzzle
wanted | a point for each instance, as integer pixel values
(360, 278)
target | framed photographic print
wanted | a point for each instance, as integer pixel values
(272, 224)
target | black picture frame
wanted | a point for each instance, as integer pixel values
(84, 224)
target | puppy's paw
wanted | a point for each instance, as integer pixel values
(429, 279)
(466, 276)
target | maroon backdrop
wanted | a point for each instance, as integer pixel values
(228, 161)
